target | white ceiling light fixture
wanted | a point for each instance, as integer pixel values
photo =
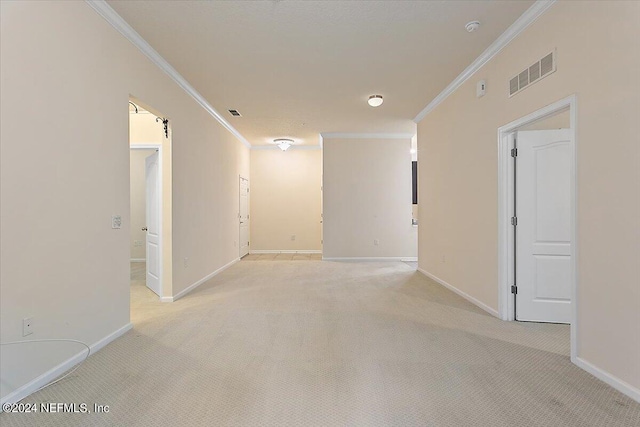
(375, 100)
(283, 143)
(472, 26)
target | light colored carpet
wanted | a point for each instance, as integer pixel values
(311, 343)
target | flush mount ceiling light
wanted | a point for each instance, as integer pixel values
(472, 26)
(375, 100)
(283, 143)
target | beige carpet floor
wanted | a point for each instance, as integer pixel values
(313, 343)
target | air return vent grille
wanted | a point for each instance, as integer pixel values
(532, 74)
(235, 113)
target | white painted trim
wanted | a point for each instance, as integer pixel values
(55, 372)
(615, 382)
(158, 147)
(199, 282)
(320, 140)
(275, 251)
(370, 259)
(240, 178)
(145, 146)
(138, 260)
(526, 19)
(337, 135)
(505, 203)
(464, 295)
(116, 21)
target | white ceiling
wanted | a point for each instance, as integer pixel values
(299, 68)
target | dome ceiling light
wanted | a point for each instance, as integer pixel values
(283, 143)
(375, 100)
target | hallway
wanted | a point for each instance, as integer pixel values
(315, 343)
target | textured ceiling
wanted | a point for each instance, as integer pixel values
(297, 69)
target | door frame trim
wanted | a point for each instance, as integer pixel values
(240, 178)
(157, 147)
(505, 203)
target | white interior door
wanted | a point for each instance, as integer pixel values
(543, 231)
(153, 222)
(244, 217)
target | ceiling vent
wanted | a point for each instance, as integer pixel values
(235, 113)
(532, 74)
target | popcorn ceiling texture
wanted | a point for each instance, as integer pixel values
(312, 343)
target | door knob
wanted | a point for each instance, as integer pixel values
(144, 228)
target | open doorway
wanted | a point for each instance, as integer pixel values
(148, 140)
(537, 221)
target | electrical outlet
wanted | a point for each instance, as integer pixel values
(376, 242)
(293, 237)
(444, 259)
(186, 262)
(116, 221)
(27, 326)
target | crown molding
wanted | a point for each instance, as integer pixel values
(293, 147)
(111, 16)
(366, 136)
(526, 19)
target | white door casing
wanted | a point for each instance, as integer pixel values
(244, 217)
(544, 223)
(153, 222)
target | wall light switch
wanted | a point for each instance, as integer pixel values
(116, 221)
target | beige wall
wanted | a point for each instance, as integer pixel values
(598, 59)
(138, 207)
(285, 199)
(560, 120)
(63, 67)
(367, 197)
(144, 129)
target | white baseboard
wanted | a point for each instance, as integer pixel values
(138, 260)
(369, 259)
(53, 373)
(198, 283)
(464, 295)
(270, 251)
(617, 383)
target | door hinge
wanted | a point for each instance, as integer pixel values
(514, 152)
(514, 220)
(514, 289)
